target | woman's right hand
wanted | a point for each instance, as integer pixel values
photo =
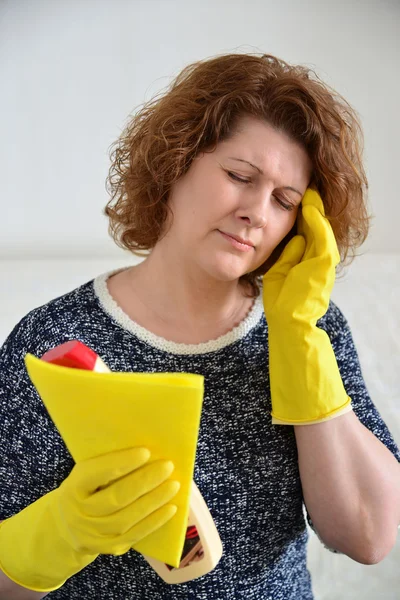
(108, 503)
(105, 506)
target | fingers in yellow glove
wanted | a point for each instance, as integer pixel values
(103, 500)
(117, 508)
(277, 274)
(102, 470)
(316, 229)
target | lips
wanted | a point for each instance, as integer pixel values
(239, 239)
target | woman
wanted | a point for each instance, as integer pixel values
(245, 182)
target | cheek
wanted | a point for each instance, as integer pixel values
(272, 239)
(280, 228)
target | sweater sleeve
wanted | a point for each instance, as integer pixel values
(34, 459)
(350, 370)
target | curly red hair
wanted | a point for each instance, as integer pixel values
(201, 108)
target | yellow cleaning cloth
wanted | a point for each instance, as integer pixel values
(97, 413)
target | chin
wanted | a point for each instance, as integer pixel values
(229, 275)
(226, 270)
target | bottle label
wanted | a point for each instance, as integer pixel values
(192, 550)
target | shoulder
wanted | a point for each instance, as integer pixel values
(50, 323)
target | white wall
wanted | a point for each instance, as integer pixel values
(72, 71)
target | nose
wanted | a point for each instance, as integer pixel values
(255, 213)
(255, 221)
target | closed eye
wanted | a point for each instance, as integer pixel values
(285, 206)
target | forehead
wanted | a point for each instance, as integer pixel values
(266, 147)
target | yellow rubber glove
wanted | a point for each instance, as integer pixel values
(104, 506)
(306, 386)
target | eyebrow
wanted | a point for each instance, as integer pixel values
(287, 187)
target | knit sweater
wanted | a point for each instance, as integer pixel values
(246, 468)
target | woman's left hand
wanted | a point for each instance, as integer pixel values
(298, 286)
(306, 386)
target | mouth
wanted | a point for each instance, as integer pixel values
(236, 243)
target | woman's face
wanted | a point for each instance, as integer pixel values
(222, 192)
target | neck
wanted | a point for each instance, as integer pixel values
(179, 296)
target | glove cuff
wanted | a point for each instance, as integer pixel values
(341, 411)
(306, 385)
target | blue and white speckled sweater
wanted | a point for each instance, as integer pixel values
(246, 468)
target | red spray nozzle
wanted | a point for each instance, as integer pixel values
(76, 355)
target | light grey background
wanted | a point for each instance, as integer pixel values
(72, 71)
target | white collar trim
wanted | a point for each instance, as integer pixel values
(110, 306)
